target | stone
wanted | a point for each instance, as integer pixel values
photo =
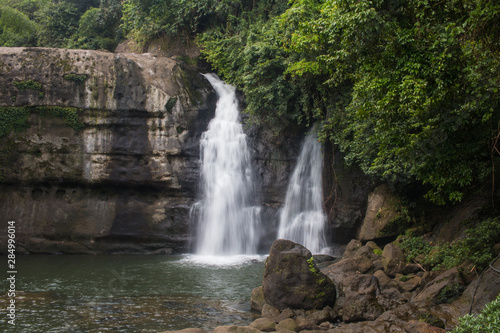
(235, 329)
(380, 213)
(416, 326)
(292, 280)
(269, 311)
(368, 327)
(257, 300)
(288, 324)
(304, 323)
(483, 290)
(433, 288)
(383, 279)
(351, 248)
(393, 259)
(321, 316)
(360, 303)
(263, 324)
(285, 314)
(408, 283)
(361, 264)
(187, 330)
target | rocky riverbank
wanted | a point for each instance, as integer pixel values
(369, 289)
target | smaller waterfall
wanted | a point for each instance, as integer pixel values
(227, 222)
(302, 219)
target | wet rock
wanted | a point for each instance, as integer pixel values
(393, 259)
(291, 281)
(263, 324)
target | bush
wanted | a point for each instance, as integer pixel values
(476, 247)
(488, 321)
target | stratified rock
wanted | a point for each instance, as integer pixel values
(109, 158)
(393, 259)
(292, 280)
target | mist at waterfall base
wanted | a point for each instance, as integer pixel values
(302, 219)
(226, 218)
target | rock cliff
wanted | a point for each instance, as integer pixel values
(99, 151)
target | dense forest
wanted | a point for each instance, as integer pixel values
(407, 89)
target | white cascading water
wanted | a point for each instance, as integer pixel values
(227, 222)
(302, 219)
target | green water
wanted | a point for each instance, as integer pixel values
(129, 293)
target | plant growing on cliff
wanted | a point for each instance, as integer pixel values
(28, 84)
(488, 321)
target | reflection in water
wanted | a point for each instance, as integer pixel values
(130, 293)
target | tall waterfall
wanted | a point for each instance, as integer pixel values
(227, 222)
(302, 219)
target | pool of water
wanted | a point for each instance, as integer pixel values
(130, 293)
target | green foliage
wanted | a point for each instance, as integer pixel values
(70, 115)
(28, 84)
(413, 247)
(99, 28)
(16, 118)
(476, 247)
(57, 22)
(449, 293)
(407, 90)
(13, 119)
(16, 29)
(488, 321)
(80, 78)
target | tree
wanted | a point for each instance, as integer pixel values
(16, 29)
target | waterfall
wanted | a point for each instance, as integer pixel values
(227, 222)
(302, 219)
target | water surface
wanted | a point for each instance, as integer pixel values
(81, 293)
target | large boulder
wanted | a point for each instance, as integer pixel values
(381, 214)
(292, 280)
(393, 259)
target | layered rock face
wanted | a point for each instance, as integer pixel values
(108, 160)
